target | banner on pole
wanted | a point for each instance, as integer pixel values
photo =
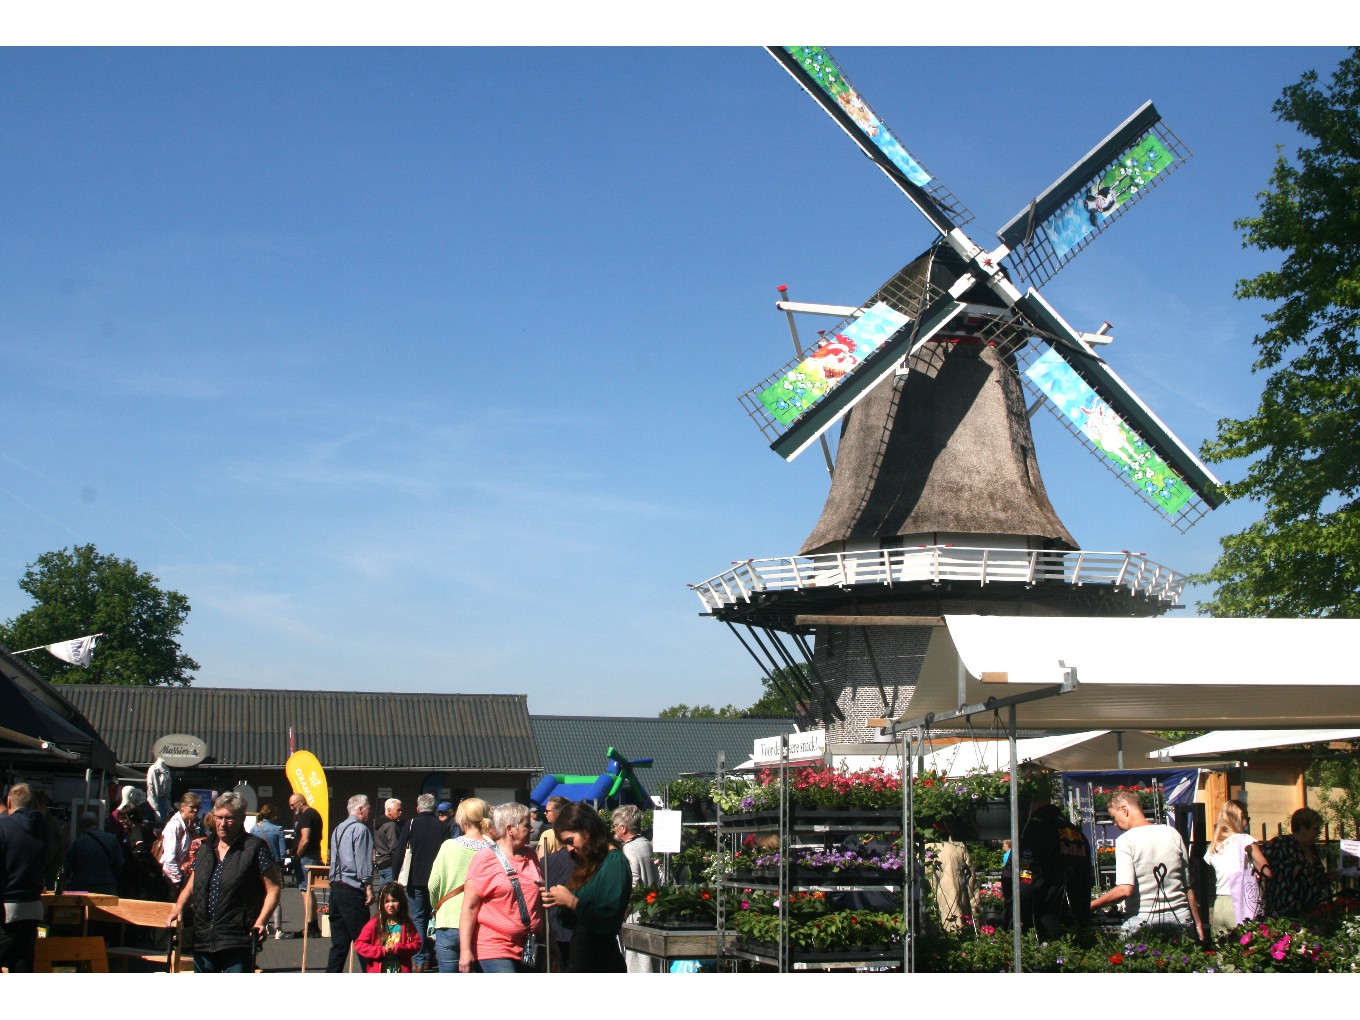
(309, 779)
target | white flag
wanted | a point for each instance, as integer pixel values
(77, 651)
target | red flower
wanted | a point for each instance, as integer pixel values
(1117, 958)
(651, 897)
(704, 896)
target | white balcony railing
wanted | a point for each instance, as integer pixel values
(936, 564)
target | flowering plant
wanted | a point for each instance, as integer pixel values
(944, 802)
(1147, 796)
(842, 929)
(661, 903)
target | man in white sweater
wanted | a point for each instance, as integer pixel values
(1151, 871)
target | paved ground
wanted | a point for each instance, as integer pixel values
(285, 955)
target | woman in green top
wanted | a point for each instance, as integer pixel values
(594, 901)
(448, 874)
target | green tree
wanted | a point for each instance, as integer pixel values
(1302, 559)
(700, 712)
(82, 591)
(770, 705)
(1337, 777)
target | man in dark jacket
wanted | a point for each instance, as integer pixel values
(234, 886)
(425, 835)
(1055, 872)
(95, 859)
(385, 840)
(24, 841)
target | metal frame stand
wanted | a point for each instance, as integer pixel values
(913, 737)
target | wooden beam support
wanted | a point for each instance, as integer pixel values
(869, 621)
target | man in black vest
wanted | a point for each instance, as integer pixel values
(234, 887)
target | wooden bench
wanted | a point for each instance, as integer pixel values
(59, 953)
(146, 914)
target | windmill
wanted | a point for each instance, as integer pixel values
(936, 502)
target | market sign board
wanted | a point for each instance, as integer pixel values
(179, 750)
(804, 748)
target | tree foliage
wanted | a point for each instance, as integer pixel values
(770, 705)
(82, 591)
(1338, 780)
(683, 711)
(1302, 559)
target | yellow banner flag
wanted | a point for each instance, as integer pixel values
(309, 780)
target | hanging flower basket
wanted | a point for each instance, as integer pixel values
(992, 818)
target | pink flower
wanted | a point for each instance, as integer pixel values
(987, 929)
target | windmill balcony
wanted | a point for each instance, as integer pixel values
(940, 564)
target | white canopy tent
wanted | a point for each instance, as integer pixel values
(1088, 751)
(1168, 673)
(1223, 742)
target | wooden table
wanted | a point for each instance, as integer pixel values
(69, 909)
(667, 944)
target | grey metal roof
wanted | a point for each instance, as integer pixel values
(344, 729)
(576, 745)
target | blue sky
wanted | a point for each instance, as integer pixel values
(416, 369)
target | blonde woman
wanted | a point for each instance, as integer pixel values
(1233, 853)
(448, 873)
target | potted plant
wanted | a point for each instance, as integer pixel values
(693, 797)
(671, 907)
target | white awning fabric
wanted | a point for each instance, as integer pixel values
(1149, 674)
(1227, 741)
(1088, 751)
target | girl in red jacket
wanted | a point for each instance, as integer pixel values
(389, 940)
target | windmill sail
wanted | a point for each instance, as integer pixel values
(816, 70)
(1086, 200)
(1096, 406)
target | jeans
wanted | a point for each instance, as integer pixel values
(349, 914)
(499, 966)
(228, 961)
(302, 864)
(446, 949)
(386, 875)
(419, 895)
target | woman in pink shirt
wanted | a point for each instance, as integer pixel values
(500, 912)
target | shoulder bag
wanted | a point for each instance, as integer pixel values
(530, 955)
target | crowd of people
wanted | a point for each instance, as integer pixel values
(454, 890)
(465, 890)
(1153, 879)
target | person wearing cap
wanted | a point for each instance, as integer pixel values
(445, 812)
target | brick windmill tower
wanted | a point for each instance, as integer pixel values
(936, 503)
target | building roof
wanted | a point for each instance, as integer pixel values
(577, 744)
(344, 729)
(34, 713)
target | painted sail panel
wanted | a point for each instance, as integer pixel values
(1088, 211)
(820, 66)
(830, 362)
(1109, 435)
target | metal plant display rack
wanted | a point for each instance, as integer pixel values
(789, 824)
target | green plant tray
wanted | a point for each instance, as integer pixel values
(854, 954)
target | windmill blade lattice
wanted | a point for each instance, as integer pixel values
(821, 77)
(1086, 201)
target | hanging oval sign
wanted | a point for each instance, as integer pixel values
(180, 750)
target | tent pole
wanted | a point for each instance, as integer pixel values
(1016, 910)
